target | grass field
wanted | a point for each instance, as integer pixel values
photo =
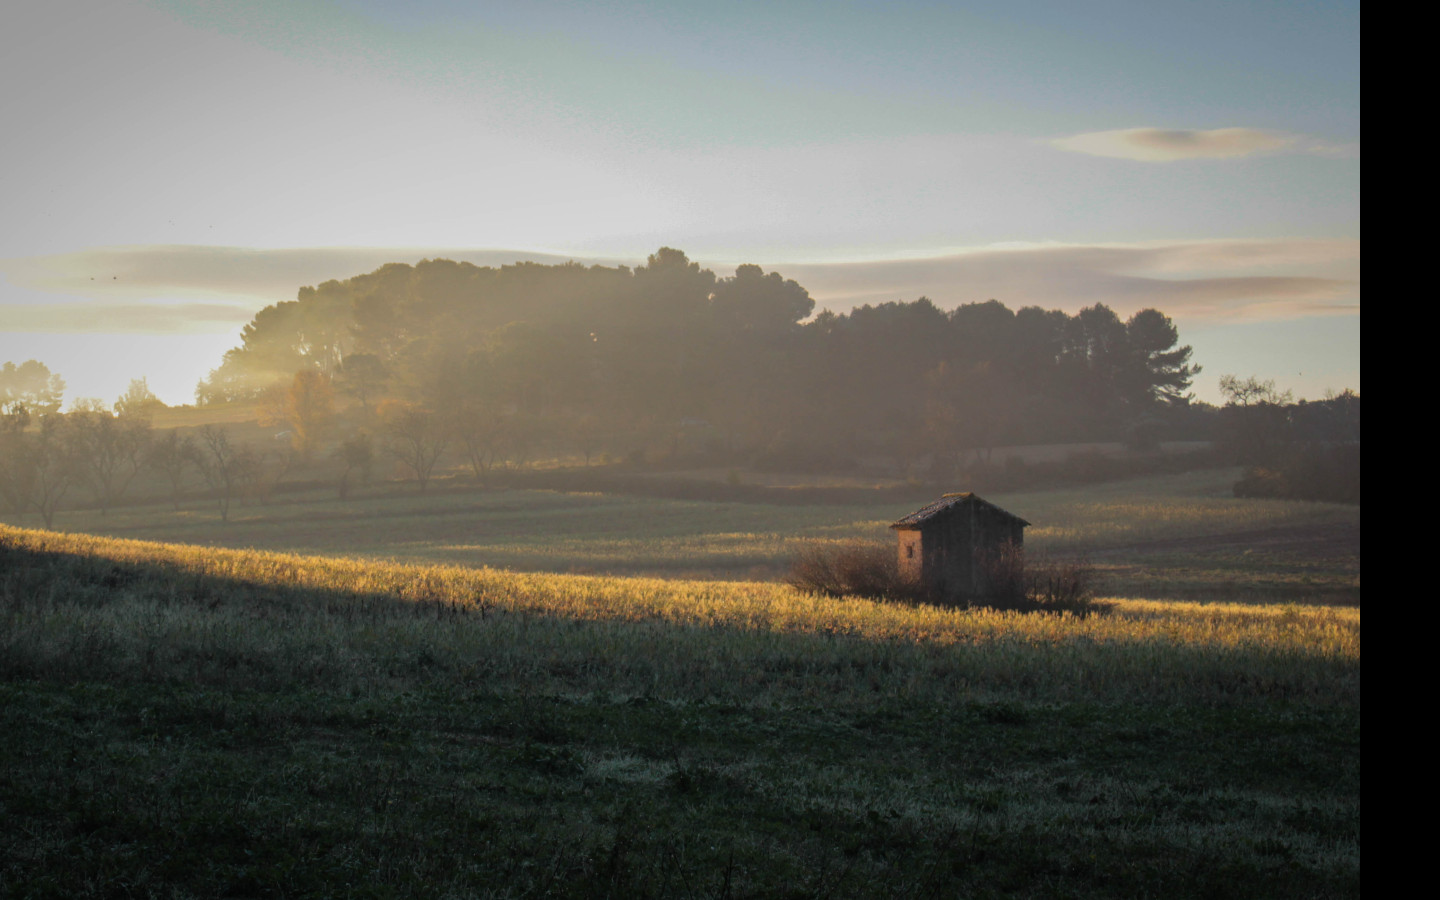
(1174, 536)
(198, 721)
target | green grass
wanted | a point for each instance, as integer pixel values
(455, 791)
(186, 721)
(1123, 527)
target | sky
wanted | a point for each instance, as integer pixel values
(171, 167)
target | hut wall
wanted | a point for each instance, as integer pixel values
(912, 554)
(990, 531)
(954, 549)
(948, 566)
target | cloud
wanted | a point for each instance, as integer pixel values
(185, 269)
(123, 318)
(1171, 144)
(187, 289)
(1197, 280)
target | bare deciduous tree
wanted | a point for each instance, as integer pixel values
(17, 461)
(171, 455)
(226, 467)
(357, 452)
(416, 437)
(36, 470)
(107, 451)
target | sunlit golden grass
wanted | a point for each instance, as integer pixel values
(490, 728)
(356, 619)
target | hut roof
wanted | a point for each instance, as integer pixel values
(947, 502)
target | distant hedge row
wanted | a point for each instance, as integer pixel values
(1328, 472)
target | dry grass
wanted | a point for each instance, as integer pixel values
(1170, 507)
(189, 721)
(696, 639)
(622, 535)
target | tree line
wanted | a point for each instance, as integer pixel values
(1294, 450)
(488, 367)
(95, 452)
(44, 453)
(500, 355)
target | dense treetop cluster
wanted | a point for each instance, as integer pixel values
(671, 342)
(491, 368)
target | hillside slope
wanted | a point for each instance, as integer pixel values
(214, 721)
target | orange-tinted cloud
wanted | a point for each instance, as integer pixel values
(1199, 280)
(1171, 144)
(123, 318)
(195, 289)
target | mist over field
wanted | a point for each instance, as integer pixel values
(680, 449)
(582, 580)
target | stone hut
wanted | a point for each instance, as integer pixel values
(943, 545)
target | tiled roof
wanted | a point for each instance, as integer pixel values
(949, 501)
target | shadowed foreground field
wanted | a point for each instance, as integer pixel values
(186, 721)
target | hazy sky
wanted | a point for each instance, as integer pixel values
(170, 167)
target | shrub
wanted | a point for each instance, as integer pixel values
(1016, 583)
(1327, 472)
(850, 570)
(1039, 583)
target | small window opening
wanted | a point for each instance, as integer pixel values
(909, 551)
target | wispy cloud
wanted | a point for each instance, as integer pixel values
(185, 289)
(72, 317)
(1171, 144)
(186, 269)
(1196, 280)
